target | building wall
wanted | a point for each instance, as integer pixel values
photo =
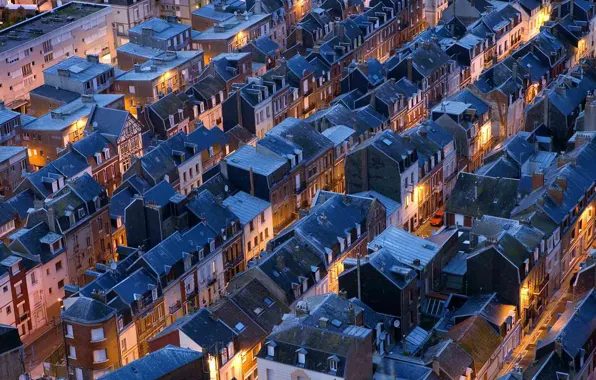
(11, 364)
(94, 29)
(35, 292)
(55, 277)
(126, 17)
(262, 232)
(6, 304)
(11, 173)
(128, 344)
(271, 370)
(84, 348)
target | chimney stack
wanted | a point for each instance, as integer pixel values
(537, 179)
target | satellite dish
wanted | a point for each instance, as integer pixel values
(396, 323)
(226, 188)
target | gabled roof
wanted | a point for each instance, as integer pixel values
(477, 338)
(453, 359)
(87, 310)
(405, 247)
(245, 206)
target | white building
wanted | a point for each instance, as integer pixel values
(256, 220)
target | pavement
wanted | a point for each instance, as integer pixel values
(426, 230)
(523, 356)
(40, 346)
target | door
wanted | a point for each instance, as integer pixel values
(79, 373)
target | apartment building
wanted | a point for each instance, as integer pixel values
(49, 38)
(161, 34)
(69, 79)
(48, 136)
(10, 125)
(128, 14)
(147, 82)
(13, 166)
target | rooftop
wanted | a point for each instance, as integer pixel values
(64, 116)
(78, 69)
(248, 158)
(245, 206)
(7, 152)
(230, 28)
(405, 246)
(157, 66)
(47, 22)
(160, 28)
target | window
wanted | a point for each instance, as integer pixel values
(58, 266)
(332, 364)
(33, 278)
(69, 331)
(301, 356)
(239, 327)
(5, 289)
(131, 89)
(72, 352)
(99, 356)
(251, 226)
(17, 289)
(60, 284)
(123, 344)
(97, 335)
(8, 310)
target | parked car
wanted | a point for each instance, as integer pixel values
(437, 219)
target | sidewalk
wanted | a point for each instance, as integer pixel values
(31, 338)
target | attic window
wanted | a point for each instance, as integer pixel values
(301, 356)
(81, 212)
(258, 311)
(336, 323)
(271, 349)
(333, 361)
(268, 301)
(239, 327)
(154, 294)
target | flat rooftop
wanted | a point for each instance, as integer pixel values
(160, 29)
(46, 22)
(140, 50)
(78, 69)
(230, 28)
(64, 116)
(6, 152)
(155, 67)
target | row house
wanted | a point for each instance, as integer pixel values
(437, 166)
(365, 120)
(207, 96)
(339, 10)
(560, 357)
(264, 51)
(47, 137)
(387, 164)
(13, 167)
(338, 227)
(504, 86)
(410, 16)
(286, 100)
(506, 24)
(312, 79)
(256, 220)
(46, 39)
(509, 258)
(147, 82)
(567, 203)
(76, 76)
(250, 106)
(168, 116)
(230, 68)
(534, 16)
(344, 139)
(326, 336)
(431, 69)
(467, 118)
(560, 104)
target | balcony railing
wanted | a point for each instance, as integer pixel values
(175, 307)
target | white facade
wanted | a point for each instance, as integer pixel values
(433, 10)
(210, 279)
(36, 297)
(55, 277)
(190, 173)
(128, 344)
(263, 118)
(7, 314)
(126, 17)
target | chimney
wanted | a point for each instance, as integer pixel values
(137, 68)
(87, 98)
(252, 182)
(343, 294)
(373, 99)
(339, 30)
(556, 193)
(351, 314)
(436, 367)
(51, 213)
(2, 105)
(258, 8)
(410, 69)
(323, 322)
(562, 182)
(93, 58)
(537, 179)
(514, 69)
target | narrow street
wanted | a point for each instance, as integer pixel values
(523, 355)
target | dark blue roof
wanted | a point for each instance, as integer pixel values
(467, 96)
(160, 194)
(205, 138)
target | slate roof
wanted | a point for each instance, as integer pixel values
(477, 338)
(161, 29)
(205, 138)
(202, 329)
(297, 133)
(170, 251)
(391, 206)
(338, 134)
(22, 202)
(427, 58)
(93, 143)
(575, 326)
(476, 195)
(245, 206)
(7, 213)
(87, 311)
(79, 69)
(452, 358)
(155, 365)
(206, 206)
(51, 92)
(248, 158)
(406, 247)
(109, 121)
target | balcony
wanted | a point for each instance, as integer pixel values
(175, 307)
(234, 263)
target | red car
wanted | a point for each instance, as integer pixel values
(437, 219)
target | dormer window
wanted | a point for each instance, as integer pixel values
(211, 245)
(329, 256)
(97, 202)
(106, 153)
(201, 254)
(187, 261)
(349, 238)
(333, 361)
(172, 121)
(301, 356)
(304, 284)
(317, 273)
(342, 244)
(98, 158)
(358, 230)
(81, 212)
(154, 294)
